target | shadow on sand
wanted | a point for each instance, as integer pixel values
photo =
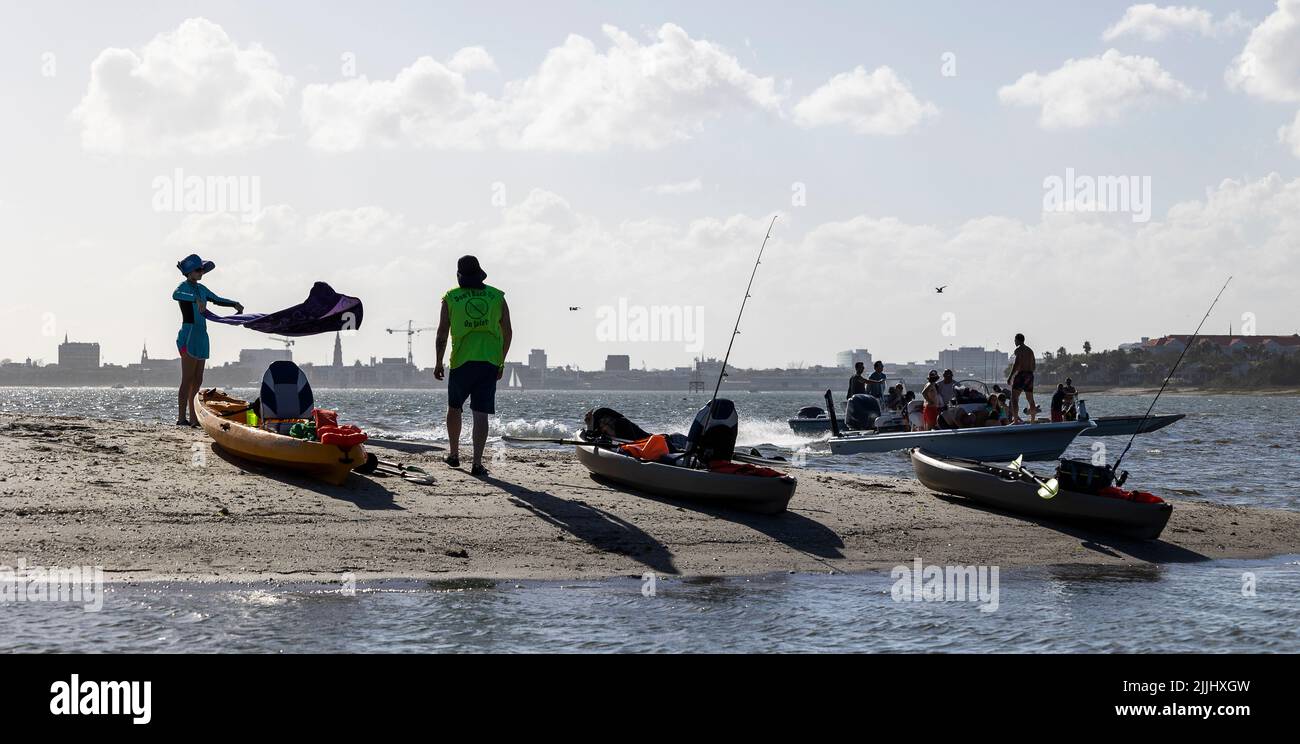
(597, 528)
(1115, 546)
(366, 493)
(793, 530)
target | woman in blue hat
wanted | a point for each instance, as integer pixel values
(192, 342)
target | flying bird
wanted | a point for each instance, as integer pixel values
(572, 309)
(941, 289)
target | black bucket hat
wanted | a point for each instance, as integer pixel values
(469, 271)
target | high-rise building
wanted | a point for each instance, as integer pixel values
(537, 360)
(618, 363)
(846, 359)
(974, 362)
(80, 356)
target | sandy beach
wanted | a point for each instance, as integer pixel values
(150, 502)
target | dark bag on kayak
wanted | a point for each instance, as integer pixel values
(610, 423)
(1084, 477)
(713, 434)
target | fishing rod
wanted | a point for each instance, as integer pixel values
(736, 331)
(1168, 377)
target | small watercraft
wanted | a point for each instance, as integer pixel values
(756, 493)
(1116, 426)
(1107, 507)
(224, 419)
(1032, 441)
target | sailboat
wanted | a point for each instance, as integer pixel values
(514, 379)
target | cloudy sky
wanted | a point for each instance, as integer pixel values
(599, 155)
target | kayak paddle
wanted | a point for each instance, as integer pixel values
(1045, 490)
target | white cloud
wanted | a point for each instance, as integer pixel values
(472, 59)
(1094, 90)
(1155, 23)
(189, 90)
(642, 95)
(871, 103)
(1290, 135)
(1269, 66)
(693, 186)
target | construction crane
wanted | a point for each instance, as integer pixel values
(411, 332)
(286, 341)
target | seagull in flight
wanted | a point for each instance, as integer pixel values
(572, 309)
(940, 289)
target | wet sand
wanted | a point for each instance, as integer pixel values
(151, 502)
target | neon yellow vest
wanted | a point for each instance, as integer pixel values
(476, 325)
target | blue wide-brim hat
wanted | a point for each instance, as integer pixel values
(192, 262)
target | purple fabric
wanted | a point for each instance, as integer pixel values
(324, 311)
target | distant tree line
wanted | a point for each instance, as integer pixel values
(1206, 365)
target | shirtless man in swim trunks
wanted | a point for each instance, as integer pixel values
(1022, 380)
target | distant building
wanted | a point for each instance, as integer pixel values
(618, 363)
(260, 359)
(537, 360)
(78, 356)
(338, 351)
(847, 359)
(974, 362)
(1135, 345)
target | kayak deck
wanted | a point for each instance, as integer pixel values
(1010, 491)
(759, 494)
(223, 418)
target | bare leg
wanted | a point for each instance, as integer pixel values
(480, 435)
(183, 394)
(1033, 409)
(1015, 407)
(196, 384)
(453, 432)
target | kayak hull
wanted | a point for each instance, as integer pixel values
(324, 462)
(1032, 441)
(1117, 426)
(1003, 489)
(745, 492)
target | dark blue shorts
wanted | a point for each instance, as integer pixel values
(476, 381)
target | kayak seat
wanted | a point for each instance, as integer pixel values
(286, 397)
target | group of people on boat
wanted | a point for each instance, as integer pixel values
(941, 404)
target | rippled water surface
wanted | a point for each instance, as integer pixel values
(1177, 608)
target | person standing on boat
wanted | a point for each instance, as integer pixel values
(1022, 380)
(876, 380)
(858, 382)
(1057, 408)
(933, 402)
(1071, 395)
(477, 319)
(947, 388)
(192, 341)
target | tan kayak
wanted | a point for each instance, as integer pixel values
(223, 418)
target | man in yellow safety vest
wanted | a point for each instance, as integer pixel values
(477, 318)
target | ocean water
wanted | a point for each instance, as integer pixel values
(1166, 609)
(1230, 449)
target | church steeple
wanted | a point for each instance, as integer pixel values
(338, 350)
(144, 354)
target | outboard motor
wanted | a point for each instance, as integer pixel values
(810, 412)
(862, 412)
(714, 437)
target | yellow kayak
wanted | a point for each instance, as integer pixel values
(223, 418)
